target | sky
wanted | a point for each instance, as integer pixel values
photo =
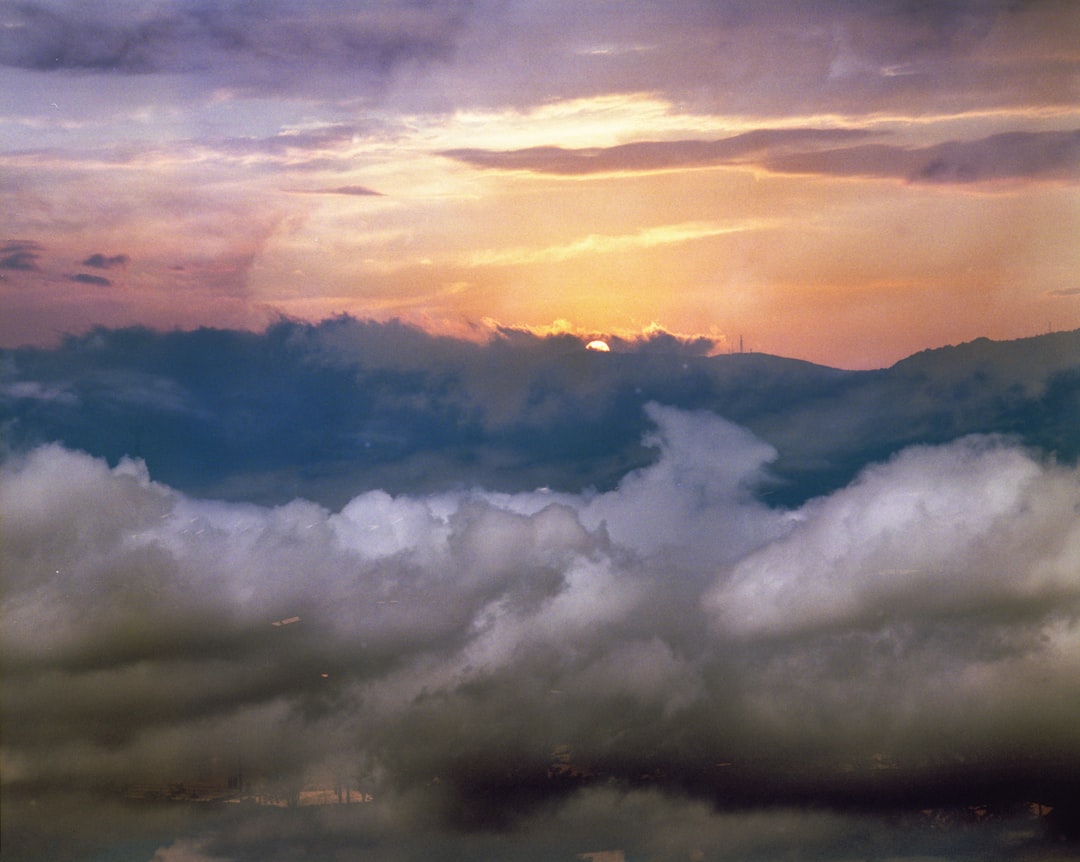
(840, 182)
(313, 481)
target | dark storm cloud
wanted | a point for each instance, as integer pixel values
(106, 261)
(21, 255)
(86, 278)
(1007, 156)
(324, 411)
(253, 43)
(653, 155)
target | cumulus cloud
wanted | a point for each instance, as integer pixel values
(943, 531)
(521, 589)
(475, 660)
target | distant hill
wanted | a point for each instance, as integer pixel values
(327, 411)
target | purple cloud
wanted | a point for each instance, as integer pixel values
(20, 255)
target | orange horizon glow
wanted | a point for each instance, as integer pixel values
(849, 231)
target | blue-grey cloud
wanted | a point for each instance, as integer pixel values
(264, 43)
(1007, 156)
(654, 155)
(21, 255)
(106, 261)
(323, 411)
(87, 278)
(745, 59)
(354, 191)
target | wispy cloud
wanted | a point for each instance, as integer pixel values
(354, 191)
(653, 155)
(87, 278)
(600, 244)
(1003, 157)
(1006, 156)
(22, 255)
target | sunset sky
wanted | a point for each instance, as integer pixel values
(841, 182)
(308, 480)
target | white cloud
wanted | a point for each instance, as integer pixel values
(926, 611)
(948, 530)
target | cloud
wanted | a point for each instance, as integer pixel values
(653, 155)
(662, 662)
(1006, 156)
(533, 664)
(103, 261)
(1002, 157)
(20, 255)
(326, 411)
(601, 244)
(86, 278)
(262, 45)
(289, 143)
(933, 532)
(354, 191)
(361, 191)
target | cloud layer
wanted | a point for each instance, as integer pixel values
(327, 411)
(1010, 156)
(481, 661)
(653, 630)
(257, 43)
